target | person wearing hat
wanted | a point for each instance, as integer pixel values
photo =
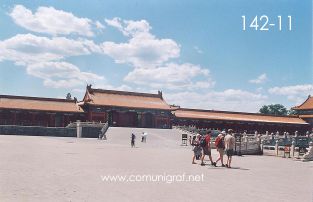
(220, 147)
(229, 145)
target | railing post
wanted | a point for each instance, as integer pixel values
(293, 148)
(259, 141)
(246, 141)
(79, 129)
(262, 144)
(276, 147)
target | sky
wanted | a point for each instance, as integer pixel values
(195, 52)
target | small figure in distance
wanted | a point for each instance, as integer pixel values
(142, 136)
(145, 134)
(229, 145)
(133, 138)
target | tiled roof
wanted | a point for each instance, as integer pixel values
(306, 116)
(40, 104)
(307, 104)
(235, 116)
(102, 97)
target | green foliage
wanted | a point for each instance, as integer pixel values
(292, 112)
(264, 110)
(274, 109)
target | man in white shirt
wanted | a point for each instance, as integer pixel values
(145, 134)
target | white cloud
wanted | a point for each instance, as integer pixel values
(42, 57)
(292, 90)
(296, 93)
(143, 49)
(198, 49)
(27, 48)
(112, 87)
(61, 74)
(115, 22)
(51, 21)
(99, 25)
(259, 90)
(228, 100)
(150, 58)
(172, 76)
(130, 27)
(261, 79)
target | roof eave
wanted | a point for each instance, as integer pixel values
(184, 117)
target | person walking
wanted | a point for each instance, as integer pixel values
(220, 147)
(229, 145)
(196, 148)
(132, 142)
(142, 136)
(145, 134)
(206, 148)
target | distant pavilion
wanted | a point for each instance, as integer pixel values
(126, 109)
(305, 110)
(38, 111)
(239, 121)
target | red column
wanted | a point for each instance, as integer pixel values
(14, 118)
(50, 119)
(53, 120)
(33, 119)
(143, 120)
(62, 117)
(156, 121)
(105, 117)
(47, 119)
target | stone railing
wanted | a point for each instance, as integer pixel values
(88, 129)
(37, 131)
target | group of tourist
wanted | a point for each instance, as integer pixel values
(224, 143)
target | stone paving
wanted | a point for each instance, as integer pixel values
(69, 169)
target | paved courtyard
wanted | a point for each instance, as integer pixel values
(69, 169)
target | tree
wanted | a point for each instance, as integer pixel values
(264, 110)
(292, 112)
(68, 96)
(275, 109)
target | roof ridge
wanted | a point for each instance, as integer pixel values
(231, 112)
(309, 97)
(159, 95)
(36, 98)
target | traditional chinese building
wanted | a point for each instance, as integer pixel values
(132, 109)
(126, 109)
(239, 121)
(37, 111)
(305, 110)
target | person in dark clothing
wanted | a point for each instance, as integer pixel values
(206, 148)
(133, 138)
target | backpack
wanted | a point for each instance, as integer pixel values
(203, 142)
(217, 141)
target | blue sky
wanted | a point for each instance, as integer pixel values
(195, 52)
